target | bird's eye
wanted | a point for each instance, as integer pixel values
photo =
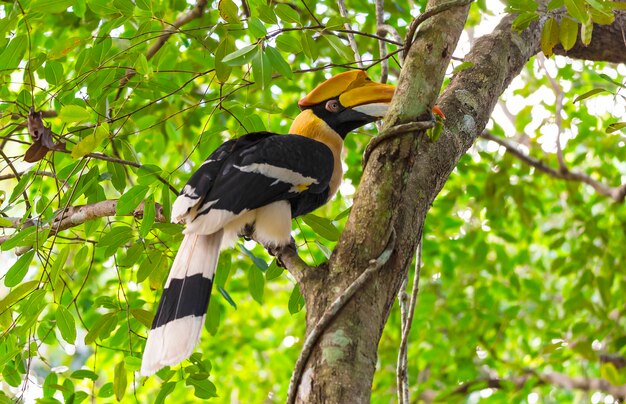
(333, 106)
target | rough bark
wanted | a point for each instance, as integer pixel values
(399, 183)
(342, 367)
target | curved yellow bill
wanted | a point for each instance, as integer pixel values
(353, 88)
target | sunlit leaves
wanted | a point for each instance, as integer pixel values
(568, 32)
(241, 56)
(578, 10)
(131, 199)
(120, 381)
(12, 54)
(549, 36)
(74, 113)
(18, 271)
(90, 142)
(66, 324)
(256, 283)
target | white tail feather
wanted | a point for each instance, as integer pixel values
(173, 342)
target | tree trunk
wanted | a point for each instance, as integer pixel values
(400, 181)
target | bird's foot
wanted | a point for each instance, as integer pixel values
(278, 251)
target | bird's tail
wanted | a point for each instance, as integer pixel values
(179, 319)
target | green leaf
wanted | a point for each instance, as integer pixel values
(90, 142)
(228, 11)
(106, 390)
(523, 20)
(274, 271)
(240, 56)
(16, 294)
(227, 296)
(132, 363)
(53, 72)
(602, 16)
(59, 264)
(589, 94)
(213, 317)
(131, 199)
(609, 372)
(145, 317)
(12, 54)
(120, 381)
(463, 66)
(66, 324)
(278, 62)
(74, 113)
(21, 186)
(261, 69)
(286, 13)
(154, 260)
(322, 227)
(259, 262)
(309, 46)
(266, 14)
(614, 127)
(118, 176)
(342, 49)
(142, 67)
(222, 70)
(568, 32)
(296, 300)
(18, 271)
(116, 236)
(549, 36)
(577, 9)
(202, 388)
(84, 374)
(51, 6)
(165, 391)
(256, 28)
(101, 328)
(287, 43)
(256, 283)
(149, 212)
(11, 376)
(586, 30)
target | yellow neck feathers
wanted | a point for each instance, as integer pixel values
(307, 124)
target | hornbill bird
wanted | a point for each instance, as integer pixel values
(258, 181)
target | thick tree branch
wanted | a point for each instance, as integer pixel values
(616, 193)
(331, 312)
(76, 215)
(517, 383)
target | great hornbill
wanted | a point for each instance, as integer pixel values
(261, 180)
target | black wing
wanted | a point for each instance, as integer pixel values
(258, 169)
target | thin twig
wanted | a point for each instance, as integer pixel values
(331, 312)
(440, 8)
(616, 193)
(19, 177)
(344, 13)
(14, 175)
(382, 46)
(558, 114)
(402, 369)
(182, 19)
(394, 132)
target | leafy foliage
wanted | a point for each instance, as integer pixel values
(521, 270)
